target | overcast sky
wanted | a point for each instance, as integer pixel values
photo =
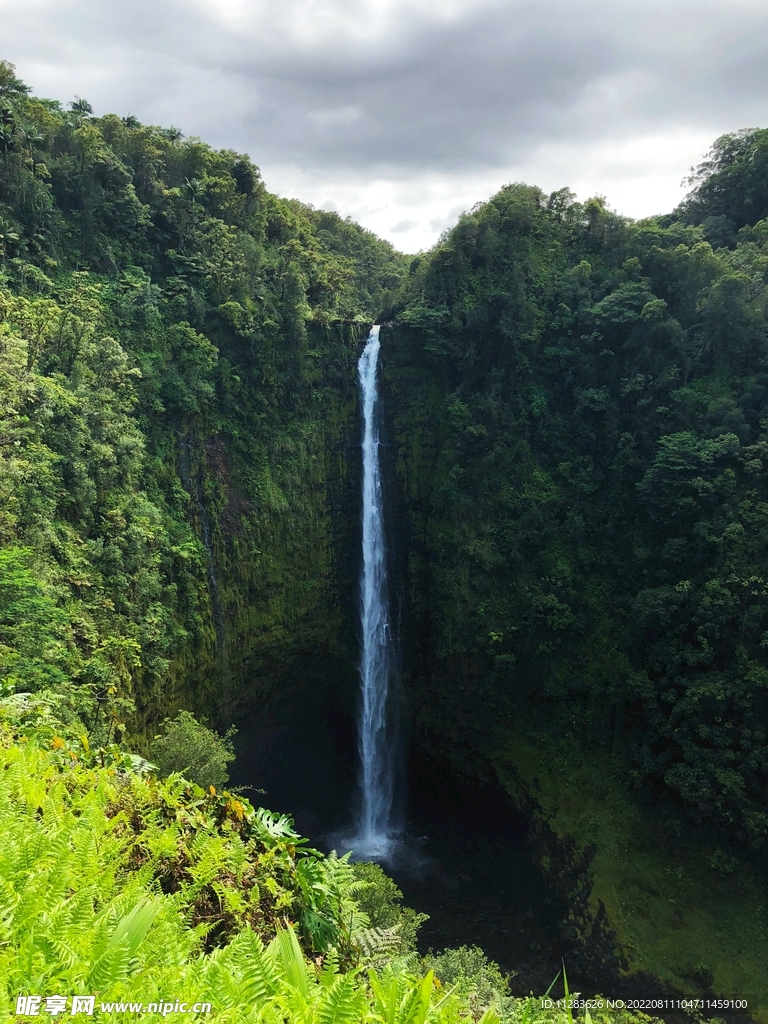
(403, 113)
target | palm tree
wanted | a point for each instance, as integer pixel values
(81, 111)
(196, 190)
(173, 135)
(28, 136)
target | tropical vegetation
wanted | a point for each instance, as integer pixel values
(145, 893)
(587, 517)
(576, 475)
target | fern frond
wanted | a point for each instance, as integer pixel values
(112, 966)
(342, 1002)
(378, 945)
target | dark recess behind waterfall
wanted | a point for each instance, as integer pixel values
(299, 748)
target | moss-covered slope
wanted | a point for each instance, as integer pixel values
(577, 409)
(178, 417)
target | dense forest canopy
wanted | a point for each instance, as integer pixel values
(583, 462)
(154, 298)
(731, 186)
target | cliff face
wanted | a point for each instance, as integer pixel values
(276, 512)
(163, 556)
(578, 411)
(278, 522)
(577, 407)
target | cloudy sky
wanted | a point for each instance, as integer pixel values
(403, 113)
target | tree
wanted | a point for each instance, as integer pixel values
(731, 183)
(81, 110)
(11, 87)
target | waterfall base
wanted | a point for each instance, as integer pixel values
(379, 848)
(399, 853)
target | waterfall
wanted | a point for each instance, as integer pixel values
(376, 740)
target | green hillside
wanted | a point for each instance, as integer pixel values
(576, 468)
(578, 406)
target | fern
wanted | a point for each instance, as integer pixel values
(342, 1002)
(82, 910)
(378, 945)
(109, 968)
(262, 979)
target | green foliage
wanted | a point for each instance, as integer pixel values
(33, 635)
(474, 976)
(579, 422)
(730, 186)
(638, 876)
(117, 885)
(580, 414)
(189, 748)
(226, 864)
(579, 403)
(381, 900)
(173, 345)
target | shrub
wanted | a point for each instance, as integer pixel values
(193, 750)
(477, 979)
(379, 898)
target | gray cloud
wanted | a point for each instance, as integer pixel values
(401, 89)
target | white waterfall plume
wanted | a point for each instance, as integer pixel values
(376, 741)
